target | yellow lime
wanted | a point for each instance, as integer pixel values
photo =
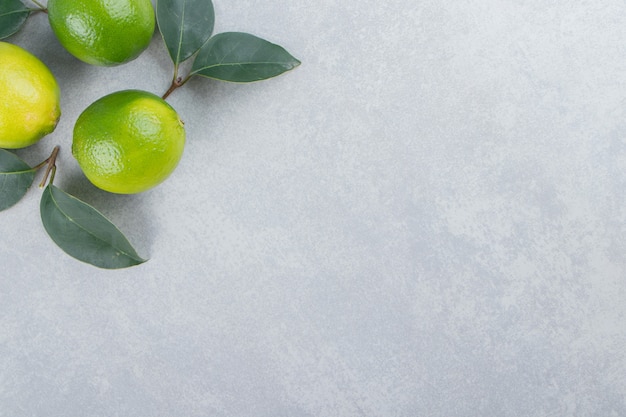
(103, 32)
(29, 98)
(128, 142)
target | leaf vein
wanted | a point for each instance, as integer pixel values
(182, 29)
(89, 232)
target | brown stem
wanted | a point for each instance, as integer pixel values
(41, 7)
(177, 82)
(52, 167)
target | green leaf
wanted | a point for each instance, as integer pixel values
(82, 232)
(15, 179)
(13, 14)
(185, 25)
(241, 58)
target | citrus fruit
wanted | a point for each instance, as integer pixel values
(29, 98)
(102, 32)
(128, 142)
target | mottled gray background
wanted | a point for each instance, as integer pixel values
(427, 218)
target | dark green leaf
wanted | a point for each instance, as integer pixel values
(15, 178)
(185, 25)
(13, 14)
(242, 58)
(82, 232)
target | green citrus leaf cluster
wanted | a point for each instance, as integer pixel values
(186, 27)
(75, 226)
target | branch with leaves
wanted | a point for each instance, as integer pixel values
(187, 26)
(76, 227)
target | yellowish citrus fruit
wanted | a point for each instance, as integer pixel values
(103, 32)
(128, 142)
(29, 98)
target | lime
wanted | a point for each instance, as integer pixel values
(103, 32)
(29, 98)
(128, 142)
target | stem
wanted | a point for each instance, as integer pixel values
(41, 8)
(176, 82)
(52, 167)
(173, 86)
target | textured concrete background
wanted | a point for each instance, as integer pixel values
(427, 218)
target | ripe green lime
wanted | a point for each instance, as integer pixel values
(29, 98)
(103, 32)
(128, 142)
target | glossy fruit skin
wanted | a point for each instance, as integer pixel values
(29, 98)
(103, 32)
(128, 142)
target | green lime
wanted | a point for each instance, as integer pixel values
(103, 32)
(128, 142)
(29, 98)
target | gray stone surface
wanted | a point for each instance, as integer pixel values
(427, 218)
